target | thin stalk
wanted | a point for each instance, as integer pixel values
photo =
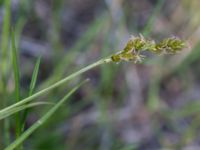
(30, 98)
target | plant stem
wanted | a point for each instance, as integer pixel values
(30, 98)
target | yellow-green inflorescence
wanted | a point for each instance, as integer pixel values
(134, 47)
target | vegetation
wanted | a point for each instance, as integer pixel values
(42, 90)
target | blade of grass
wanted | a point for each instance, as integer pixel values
(31, 89)
(4, 52)
(5, 37)
(17, 82)
(15, 68)
(34, 76)
(18, 30)
(41, 121)
(20, 108)
(66, 79)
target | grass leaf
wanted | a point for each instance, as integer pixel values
(5, 31)
(17, 82)
(31, 89)
(34, 76)
(15, 68)
(5, 37)
(20, 108)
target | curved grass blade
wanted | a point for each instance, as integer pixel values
(20, 108)
(17, 82)
(5, 127)
(15, 68)
(34, 76)
(32, 84)
(41, 121)
(31, 89)
(5, 37)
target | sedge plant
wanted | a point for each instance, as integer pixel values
(132, 52)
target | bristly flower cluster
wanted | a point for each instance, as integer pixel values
(134, 47)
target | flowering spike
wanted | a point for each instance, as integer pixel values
(135, 45)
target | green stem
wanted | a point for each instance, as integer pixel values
(30, 98)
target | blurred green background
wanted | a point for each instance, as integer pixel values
(150, 106)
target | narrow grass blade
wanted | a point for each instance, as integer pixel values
(5, 37)
(17, 82)
(3, 65)
(15, 68)
(18, 30)
(32, 87)
(20, 108)
(41, 121)
(34, 76)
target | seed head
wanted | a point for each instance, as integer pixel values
(136, 45)
(171, 45)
